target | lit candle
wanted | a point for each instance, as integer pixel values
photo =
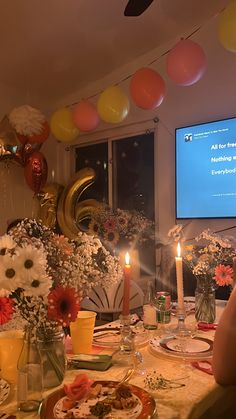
(126, 294)
(179, 277)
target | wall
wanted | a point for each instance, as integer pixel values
(16, 198)
(210, 99)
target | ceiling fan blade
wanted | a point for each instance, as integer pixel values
(136, 7)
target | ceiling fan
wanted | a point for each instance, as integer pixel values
(136, 7)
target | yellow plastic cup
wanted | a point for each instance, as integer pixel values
(82, 332)
(11, 343)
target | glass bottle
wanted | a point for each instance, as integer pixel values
(149, 310)
(29, 380)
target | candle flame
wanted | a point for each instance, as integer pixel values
(127, 258)
(178, 249)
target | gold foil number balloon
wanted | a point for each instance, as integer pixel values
(48, 200)
(70, 210)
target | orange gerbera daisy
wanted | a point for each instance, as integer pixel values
(63, 305)
(6, 309)
(223, 275)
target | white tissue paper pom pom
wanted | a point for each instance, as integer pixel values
(27, 120)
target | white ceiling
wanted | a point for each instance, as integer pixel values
(51, 48)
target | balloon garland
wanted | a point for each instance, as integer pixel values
(185, 65)
(25, 129)
(22, 133)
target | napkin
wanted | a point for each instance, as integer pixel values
(204, 366)
(90, 362)
(206, 326)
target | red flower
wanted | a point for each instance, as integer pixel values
(63, 305)
(6, 309)
(223, 275)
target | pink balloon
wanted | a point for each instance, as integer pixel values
(147, 88)
(186, 63)
(85, 116)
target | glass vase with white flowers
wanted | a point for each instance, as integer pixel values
(43, 276)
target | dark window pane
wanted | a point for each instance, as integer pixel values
(96, 157)
(133, 185)
(134, 174)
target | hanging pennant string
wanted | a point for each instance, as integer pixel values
(124, 79)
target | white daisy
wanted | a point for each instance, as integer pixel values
(9, 273)
(32, 261)
(6, 243)
(35, 286)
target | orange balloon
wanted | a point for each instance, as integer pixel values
(85, 116)
(147, 88)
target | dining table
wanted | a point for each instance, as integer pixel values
(181, 401)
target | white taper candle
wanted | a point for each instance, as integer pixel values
(179, 278)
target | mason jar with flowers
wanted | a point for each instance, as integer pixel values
(43, 276)
(210, 260)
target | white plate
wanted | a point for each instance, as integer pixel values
(194, 348)
(82, 410)
(4, 390)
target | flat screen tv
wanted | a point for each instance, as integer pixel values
(206, 170)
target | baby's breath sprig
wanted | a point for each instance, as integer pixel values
(155, 381)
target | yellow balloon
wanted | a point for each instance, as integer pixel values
(227, 27)
(62, 126)
(113, 105)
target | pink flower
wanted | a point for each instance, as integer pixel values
(79, 388)
(63, 305)
(110, 224)
(223, 275)
(6, 309)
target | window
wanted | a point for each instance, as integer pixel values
(124, 178)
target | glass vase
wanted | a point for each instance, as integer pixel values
(53, 357)
(205, 306)
(29, 378)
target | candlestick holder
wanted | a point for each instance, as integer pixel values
(182, 330)
(125, 353)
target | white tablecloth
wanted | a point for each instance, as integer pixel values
(171, 403)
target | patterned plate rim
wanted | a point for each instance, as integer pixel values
(148, 402)
(4, 391)
(164, 349)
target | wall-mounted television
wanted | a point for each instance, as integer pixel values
(206, 170)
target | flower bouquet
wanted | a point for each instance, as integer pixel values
(43, 276)
(121, 228)
(210, 260)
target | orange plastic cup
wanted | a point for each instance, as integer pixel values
(11, 343)
(82, 332)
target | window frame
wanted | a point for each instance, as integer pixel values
(114, 134)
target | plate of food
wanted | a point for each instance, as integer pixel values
(110, 337)
(193, 348)
(102, 399)
(4, 390)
